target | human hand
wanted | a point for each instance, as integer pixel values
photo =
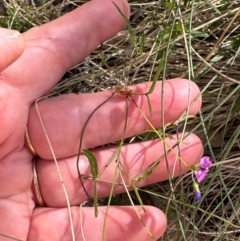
(30, 65)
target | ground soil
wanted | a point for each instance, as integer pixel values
(2, 9)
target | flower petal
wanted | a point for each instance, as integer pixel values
(200, 175)
(197, 195)
(205, 162)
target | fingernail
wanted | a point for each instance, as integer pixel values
(8, 33)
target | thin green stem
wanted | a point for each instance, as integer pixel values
(81, 140)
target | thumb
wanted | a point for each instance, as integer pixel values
(12, 46)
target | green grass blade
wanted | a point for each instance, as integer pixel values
(138, 196)
(130, 30)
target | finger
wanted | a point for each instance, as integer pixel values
(12, 45)
(64, 116)
(135, 158)
(61, 44)
(122, 224)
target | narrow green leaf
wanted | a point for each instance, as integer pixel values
(93, 162)
(142, 43)
(213, 7)
(199, 33)
(94, 170)
(149, 105)
(159, 70)
(138, 196)
(147, 172)
(130, 30)
(236, 105)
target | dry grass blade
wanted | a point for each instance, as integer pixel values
(58, 170)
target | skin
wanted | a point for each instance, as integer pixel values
(32, 63)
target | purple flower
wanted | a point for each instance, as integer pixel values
(197, 193)
(203, 168)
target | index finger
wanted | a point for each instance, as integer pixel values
(56, 46)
